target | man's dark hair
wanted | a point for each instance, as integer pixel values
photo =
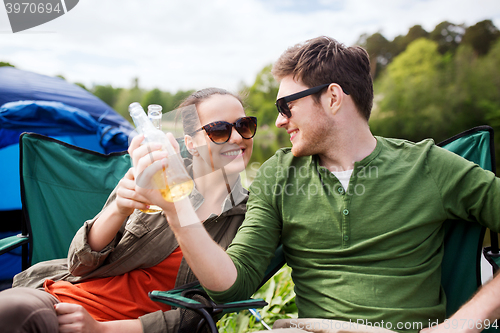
(323, 60)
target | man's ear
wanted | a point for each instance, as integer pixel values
(335, 98)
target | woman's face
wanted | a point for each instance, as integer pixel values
(233, 155)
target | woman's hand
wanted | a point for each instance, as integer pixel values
(127, 199)
(74, 318)
(109, 222)
(147, 160)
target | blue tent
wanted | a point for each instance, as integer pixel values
(51, 106)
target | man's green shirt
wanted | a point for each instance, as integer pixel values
(372, 252)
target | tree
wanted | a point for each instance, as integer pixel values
(415, 33)
(481, 36)
(107, 94)
(179, 97)
(81, 85)
(382, 51)
(448, 36)
(154, 96)
(410, 86)
(400, 43)
(260, 100)
(125, 98)
(3, 64)
(379, 49)
(485, 75)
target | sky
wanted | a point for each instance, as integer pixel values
(193, 44)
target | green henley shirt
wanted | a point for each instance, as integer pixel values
(372, 252)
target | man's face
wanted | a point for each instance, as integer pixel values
(307, 126)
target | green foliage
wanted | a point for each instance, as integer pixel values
(81, 85)
(426, 94)
(380, 50)
(177, 99)
(262, 96)
(426, 85)
(415, 33)
(261, 103)
(125, 98)
(448, 36)
(107, 94)
(2, 64)
(409, 92)
(481, 36)
(486, 95)
(278, 292)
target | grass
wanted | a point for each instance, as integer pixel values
(278, 292)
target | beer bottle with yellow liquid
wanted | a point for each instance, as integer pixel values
(172, 180)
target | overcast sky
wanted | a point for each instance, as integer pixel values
(192, 44)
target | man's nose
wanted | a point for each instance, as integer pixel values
(281, 121)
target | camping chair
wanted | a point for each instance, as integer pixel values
(85, 122)
(461, 267)
(61, 187)
(461, 272)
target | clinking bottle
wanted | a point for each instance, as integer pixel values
(172, 180)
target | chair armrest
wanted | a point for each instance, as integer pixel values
(209, 311)
(9, 243)
(174, 298)
(493, 257)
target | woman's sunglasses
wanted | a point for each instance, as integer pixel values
(282, 103)
(220, 131)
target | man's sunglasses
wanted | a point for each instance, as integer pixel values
(282, 103)
(220, 131)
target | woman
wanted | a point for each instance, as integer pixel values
(120, 255)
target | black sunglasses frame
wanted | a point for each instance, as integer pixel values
(282, 103)
(207, 128)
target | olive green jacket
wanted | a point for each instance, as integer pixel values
(143, 241)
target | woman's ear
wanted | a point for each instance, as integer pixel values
(188, 141)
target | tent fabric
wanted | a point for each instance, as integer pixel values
(55, 119)
(30, 102)
(19, 85)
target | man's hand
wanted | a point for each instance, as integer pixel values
(480, 312)
(74, 318)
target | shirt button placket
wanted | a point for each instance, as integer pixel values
(345, 229)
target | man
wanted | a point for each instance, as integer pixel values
(360, 217)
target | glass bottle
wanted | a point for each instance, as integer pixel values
(172, 180)
(154, 114)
